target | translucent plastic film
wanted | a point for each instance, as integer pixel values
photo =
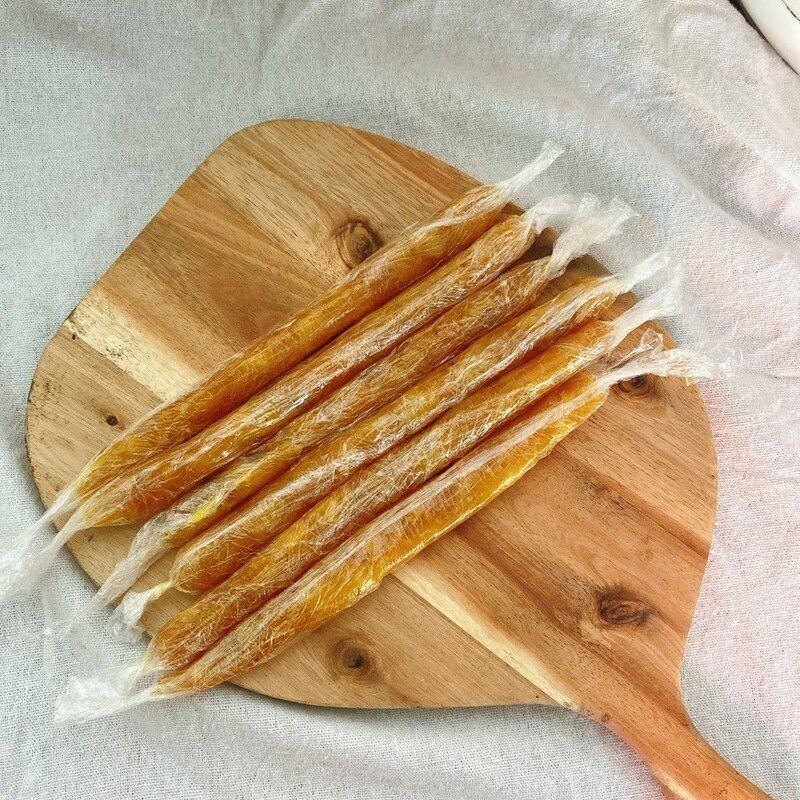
(357, 566)
(370, 490)
(423, 517)
(373, 284)
(148, 488)
(350, 572)
(351, 505)
(381, 276)
(207, 561)
(217, 553)
(506, 296)
(153, 486)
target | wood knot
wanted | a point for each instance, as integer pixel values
(356, 240)
(619, 608)
(351, 658)
(645, 390)
(642, 386)
(112, 420)
(595, 488)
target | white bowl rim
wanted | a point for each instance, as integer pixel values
(779, 21)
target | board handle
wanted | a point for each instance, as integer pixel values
(685, 764)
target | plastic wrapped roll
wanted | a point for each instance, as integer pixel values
(510, 294)
(216, 554)
(225, 426)
(380, 277)
(358, 565)
(150, 488)
(370, 490)
(213, 557)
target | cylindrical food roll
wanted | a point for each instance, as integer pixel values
(510, 294)
(381, 276)
(151, 487)
(213, 557)
(245, 374)
(216, 554)
(357, 566)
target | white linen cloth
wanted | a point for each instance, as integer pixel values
(678, 107)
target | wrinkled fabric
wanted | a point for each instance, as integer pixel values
(678, 107)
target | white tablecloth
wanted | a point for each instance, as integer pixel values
(678, 107)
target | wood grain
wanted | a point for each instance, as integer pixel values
(576, 587)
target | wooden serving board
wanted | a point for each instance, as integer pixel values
(576, 587)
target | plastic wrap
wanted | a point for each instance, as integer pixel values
(359, 564)
(217, 413)
(510, 294)
(369, 491)
(223, 548)
(135, 496)
(205, 563)
(216, 554)
(376, 280)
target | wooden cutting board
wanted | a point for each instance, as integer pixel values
(576, 587)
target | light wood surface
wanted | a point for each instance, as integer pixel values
(576, 587)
